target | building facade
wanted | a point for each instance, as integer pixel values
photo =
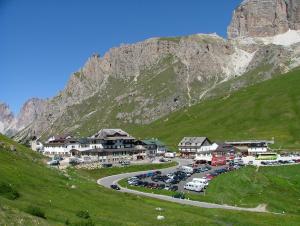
(189, 147)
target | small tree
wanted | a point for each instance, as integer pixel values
(36, 211)
(83, 214)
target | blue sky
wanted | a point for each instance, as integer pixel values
(42, 42)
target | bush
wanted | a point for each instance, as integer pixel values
(36, 211)
(83, 214)
(88, 222)
(8, 191)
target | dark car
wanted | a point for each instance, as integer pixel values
(161, 186)
(174, 188)
(214, 174)
(145, 183)
(158, 172)
(107, 165)
(115, 187)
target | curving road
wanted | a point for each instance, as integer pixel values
(107, 181)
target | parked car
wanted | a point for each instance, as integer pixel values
(115, 187)
(75, 161)
(208, 177)
(173, 188)
(194, 186)
(161, 186)
(107, 165)
(57, 157)
(53, 163)
(124, 163)
(158, 172)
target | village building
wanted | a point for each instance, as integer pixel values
(251, 147)
(218, 154)
(189, 147)
(62, 146)
(113, 145)
(154, 147)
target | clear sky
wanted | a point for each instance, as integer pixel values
(42, 42)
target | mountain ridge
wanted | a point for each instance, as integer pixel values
(142, 82)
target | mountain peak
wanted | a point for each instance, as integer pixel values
(264, 18)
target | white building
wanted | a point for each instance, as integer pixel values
(63, 146)
(251, 147)
(192, 146)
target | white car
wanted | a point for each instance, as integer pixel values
(53, 162)
(192, 186)
(202, 181)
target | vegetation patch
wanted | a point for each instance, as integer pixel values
(36, 211)
(83, 214)
(7, 191)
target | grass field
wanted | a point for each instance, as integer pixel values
(277, 187)
(262, 111)
(63, 197)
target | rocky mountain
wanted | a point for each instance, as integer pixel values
(264, 18)
(6, 118)
(139, 83)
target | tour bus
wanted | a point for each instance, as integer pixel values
(267, 156)
(192, 186)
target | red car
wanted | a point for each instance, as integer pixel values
(209, 177)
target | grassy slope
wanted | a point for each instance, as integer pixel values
(277, 187)
(266, 110)
(51, 191)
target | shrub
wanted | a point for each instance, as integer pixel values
(8, 191)
(88, 222)
(83, 214)
(36, 211)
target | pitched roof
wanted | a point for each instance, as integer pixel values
(153, 141)
(106, 133)
(193, 140)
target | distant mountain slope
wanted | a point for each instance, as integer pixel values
(263, 111)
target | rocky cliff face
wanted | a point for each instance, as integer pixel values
(139, 83)
(6, 118)
(263, 18)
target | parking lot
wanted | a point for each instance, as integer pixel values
(176, 179)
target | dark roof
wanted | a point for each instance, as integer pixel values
(193, 141)
(108, 134)
(153, 142)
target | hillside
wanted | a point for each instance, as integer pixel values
(263, 111)
(59, 198)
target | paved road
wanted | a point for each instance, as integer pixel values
(107, 181)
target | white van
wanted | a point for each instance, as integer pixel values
(187, 169)
(201, 181)
(170, 155)
(192, 186)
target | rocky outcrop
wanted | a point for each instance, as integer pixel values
(264, 18)
(30, 112)
(6, 118)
